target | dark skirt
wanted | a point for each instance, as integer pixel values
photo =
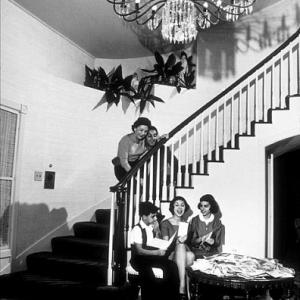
(120, 172)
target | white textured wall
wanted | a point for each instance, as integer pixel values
(44, 71)
(239, 184)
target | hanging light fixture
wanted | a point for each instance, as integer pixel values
(180, 20)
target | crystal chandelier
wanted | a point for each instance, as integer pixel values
(180, 20)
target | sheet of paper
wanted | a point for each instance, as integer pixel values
(183, 228)
(160, 243)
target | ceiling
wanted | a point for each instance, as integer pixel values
(93, 26)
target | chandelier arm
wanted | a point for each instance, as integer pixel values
(147, 6)
(199, 3)
(208, 19)
(212, 2)
(137, 17)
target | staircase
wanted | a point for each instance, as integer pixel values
(202, 140)
(75, 269)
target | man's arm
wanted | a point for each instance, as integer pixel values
(141, 251)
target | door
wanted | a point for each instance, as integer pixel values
(9, 123)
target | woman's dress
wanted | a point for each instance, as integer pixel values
(200, 228)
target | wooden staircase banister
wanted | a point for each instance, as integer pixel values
(119, 186)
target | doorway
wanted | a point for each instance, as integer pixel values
(286, 208)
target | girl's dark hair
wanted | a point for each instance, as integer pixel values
(172, 203)
(214, 206)
(141, 121)
(153, 128)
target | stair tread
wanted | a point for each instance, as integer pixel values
(59, 257)
(93, 224)
(78, 240)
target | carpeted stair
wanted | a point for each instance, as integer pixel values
(75, 269)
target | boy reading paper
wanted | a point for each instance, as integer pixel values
(144, 258)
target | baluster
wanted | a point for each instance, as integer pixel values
(194, 147)
(298, 65)
(276, 84)
(285, 79)
(294, 67)
(137, 196)
(201, 169)
(248, 118)
(224, 124)
(266, 94)
(256, 98)
(179, 174)
(209, 138)
(158, 173)
(186, 177)
(165, 172)
(232, 116)
(131, 207)
(244, 109)
(120, 233)
(172, 177)
(172, 185)
(151, 174)
(110, 244)
(144, 181)
(217, 150)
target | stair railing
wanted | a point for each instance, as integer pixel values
(202, 137)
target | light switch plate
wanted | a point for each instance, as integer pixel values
(38, 176)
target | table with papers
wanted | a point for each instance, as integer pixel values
(238, 275)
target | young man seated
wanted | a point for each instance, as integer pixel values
(144, 258)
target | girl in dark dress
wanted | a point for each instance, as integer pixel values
(206, 232)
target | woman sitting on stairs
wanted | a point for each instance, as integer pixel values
(182, 255)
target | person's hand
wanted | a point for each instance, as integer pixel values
(182, 239)
(210, 241)
(161, 252)
(198, 240)
(156, 228)
(163, 136)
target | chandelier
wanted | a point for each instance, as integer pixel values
(180, 20)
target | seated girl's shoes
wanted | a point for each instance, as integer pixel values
(183, 297)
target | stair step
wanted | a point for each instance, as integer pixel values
(27, 285)
(87, 270)
(91, 230)
(77, 247)
(102, 216)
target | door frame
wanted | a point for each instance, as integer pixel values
(8, 252)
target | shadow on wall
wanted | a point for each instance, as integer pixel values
(35, 226)
(218, 46)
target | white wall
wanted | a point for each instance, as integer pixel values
(44, 71)
(239, 184)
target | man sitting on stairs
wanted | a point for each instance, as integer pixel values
(145, 258)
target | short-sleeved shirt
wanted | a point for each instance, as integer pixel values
(168, 229)
(136, 233)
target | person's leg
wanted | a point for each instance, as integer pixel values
(180, 259)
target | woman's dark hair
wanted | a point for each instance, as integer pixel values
(153, 128)
(172, 203)
(214, 206)
(141, 121)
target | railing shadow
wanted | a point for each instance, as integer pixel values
(31, 229)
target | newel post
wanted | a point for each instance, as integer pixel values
(119, 246)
